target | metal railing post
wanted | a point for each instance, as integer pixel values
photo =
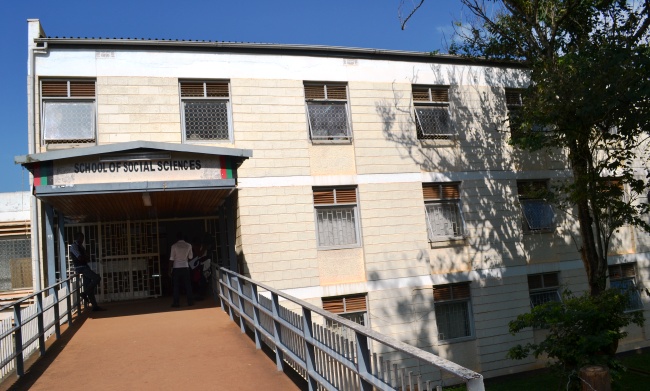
(77, 292)
(279, 356)
(57, 325)
(40, 323)
(475, 384)
(242, 309)
(310, 353)
(256, 316)
(18, 340)
(363, 360)
(68, 301)
(229, 296)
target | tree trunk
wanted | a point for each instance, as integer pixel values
(595, 378)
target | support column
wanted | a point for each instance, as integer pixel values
(63, 262)
(49, 245)
(232, 228)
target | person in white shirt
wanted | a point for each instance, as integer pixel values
(180, 253)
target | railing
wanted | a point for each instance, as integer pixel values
(32, 324)
(330, 352)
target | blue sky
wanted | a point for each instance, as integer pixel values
(353, 23)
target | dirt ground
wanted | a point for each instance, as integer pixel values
(146, 345)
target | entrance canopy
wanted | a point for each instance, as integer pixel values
(135, 180)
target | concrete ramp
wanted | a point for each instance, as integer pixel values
(146, 345)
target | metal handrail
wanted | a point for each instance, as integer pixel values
(47, 312)
(340, 355)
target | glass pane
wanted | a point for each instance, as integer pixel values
(443, 219)
(433, 120)
(628, 287)
(69, 120)
(336, 226)
(328, 120)
(206, 120)
(453, 320)
(538, 214)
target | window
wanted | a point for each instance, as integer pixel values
(543, 288)
(537, 212)
(514, 103)
(205, 110)
(442, 211)
(453, 312)
(336, 217)
(351, 307)
(68, 111)
(327, 111)
(432, 119)
(623, 278)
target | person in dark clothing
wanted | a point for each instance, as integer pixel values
(90, 278)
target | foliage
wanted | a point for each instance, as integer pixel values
(581, 330)
(589, 95)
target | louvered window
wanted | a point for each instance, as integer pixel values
(543, 288)
(623, 278)
(353, 307)
(205, 111)
(432, 118)
(442, 210)
(453, 311)
(68, 111)
(337, 224)
(537, 213)
(327, 111)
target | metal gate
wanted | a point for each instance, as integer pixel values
(126, 255)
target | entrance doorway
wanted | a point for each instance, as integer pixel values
(132, 257)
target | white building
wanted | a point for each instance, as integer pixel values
(378, 184)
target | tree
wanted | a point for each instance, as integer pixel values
(589, 94)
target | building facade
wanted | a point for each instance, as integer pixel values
(377, 184)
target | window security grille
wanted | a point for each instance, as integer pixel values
(15, 259)
(327, 111)
(442, 211)
(68, 111)
(432, 118)
(336, 217)
(543, 288)
(537, 213)
(623, 278)
(452, 307)
(206, 107)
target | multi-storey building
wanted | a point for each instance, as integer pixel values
(378, 184)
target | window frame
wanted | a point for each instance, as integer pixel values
(69, 97)
(437, 97)
(331, 304)
(545, 286)
(326, 99)
(443, 188)
(205, 98)
(626, 272)
(455, 289)
(524, 199)
(321, 204)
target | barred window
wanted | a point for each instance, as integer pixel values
(352, 307)
(442, 210)
(431, 107)
(453, 311)
(514, 103)
(537, 213)
(205, 110)
(337, 224)
(327, 111)
(623, 278)
(68, 108)
(543, 288)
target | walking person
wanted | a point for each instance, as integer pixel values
(90, 279)
(179, 256)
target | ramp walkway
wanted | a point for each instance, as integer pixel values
(146, 345)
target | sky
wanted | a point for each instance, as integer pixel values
(352, 23)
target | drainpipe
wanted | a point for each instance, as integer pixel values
(34, 31)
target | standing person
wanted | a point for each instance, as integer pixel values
(90, 278)
(179, 255)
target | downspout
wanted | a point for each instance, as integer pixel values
(31, 137)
